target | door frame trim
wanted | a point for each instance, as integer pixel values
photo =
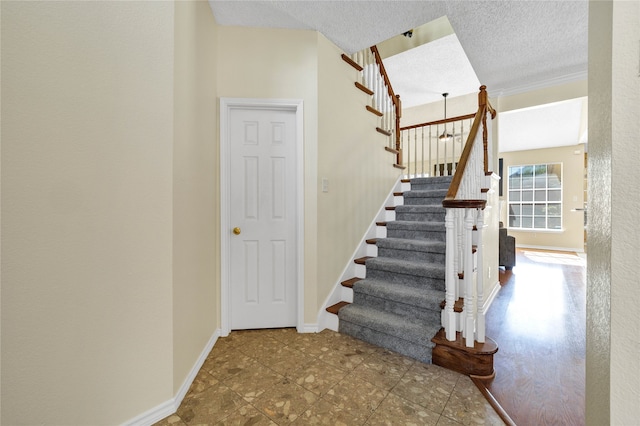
(226, 105)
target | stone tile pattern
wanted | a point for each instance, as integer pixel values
(280, 377)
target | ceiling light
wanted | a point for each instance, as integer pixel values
(445, 136)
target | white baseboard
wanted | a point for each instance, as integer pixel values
(573, 249)
(489, 300)
(327, 320)
(308, 328)
(154, 415)
(171, 406)
(337, 293)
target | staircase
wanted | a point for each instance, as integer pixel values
(398, 304)
(425, 289)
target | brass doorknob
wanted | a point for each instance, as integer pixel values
(236, 230)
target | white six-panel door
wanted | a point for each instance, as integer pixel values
(262, 274)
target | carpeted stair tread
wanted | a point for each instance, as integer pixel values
(392, 342)
(397, 305)
(421, 212)
(416, 331)
(415, 230)
(420, 297)
(411, 244)
(431, 180)
(426, 193)
(420, 208)
(406, 267)
(416, 225)
(420, 187)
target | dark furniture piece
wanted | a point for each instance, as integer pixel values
(506, 248)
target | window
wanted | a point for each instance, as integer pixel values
(535, 196)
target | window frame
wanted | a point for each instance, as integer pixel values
(529, 196)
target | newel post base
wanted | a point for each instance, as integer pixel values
(455, 355)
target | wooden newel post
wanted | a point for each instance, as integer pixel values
(482, 106)
(482, 96)
(398, 103)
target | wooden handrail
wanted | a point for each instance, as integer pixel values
(443, 121)
(464, 157)
(397, 103)
(480, 118)
(383, 72)
(464, 204)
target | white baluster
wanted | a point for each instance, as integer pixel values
(429, 142)
(388, 114)
(365, 75)
(446, 169)
(368, 68)
(403, 145)
(437, 140)
(451, 279)
(385, 112)
(380, 89)
(363, 58)
(371, 71)
(469, 307)
(422, 149)
(364, 64)
(409, 154)
(453, 149)
(375, 81)
(459, 225)
(480, 324)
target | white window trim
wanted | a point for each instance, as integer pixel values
(534, 230)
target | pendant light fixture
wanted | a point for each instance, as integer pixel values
(445, 136)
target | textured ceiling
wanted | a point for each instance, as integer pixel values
(509, 46)
(512, 46)
(430, 78)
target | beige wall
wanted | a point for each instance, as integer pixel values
(280, 64)
(572, 235)
(562, 92)
(91, 166)
(625, 215)
(490, 252)
(417, 146)
(351, 156)
(195, 186)
(456, 106)
(87, 128)
(339, 138)
(613, 341)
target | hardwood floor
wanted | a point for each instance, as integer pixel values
(538, 322)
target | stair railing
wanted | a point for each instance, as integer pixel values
(384, 102)
(434, 148)
(464, 204)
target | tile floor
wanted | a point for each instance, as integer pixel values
(278, 377)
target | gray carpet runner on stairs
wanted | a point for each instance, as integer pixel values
(397, 305)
